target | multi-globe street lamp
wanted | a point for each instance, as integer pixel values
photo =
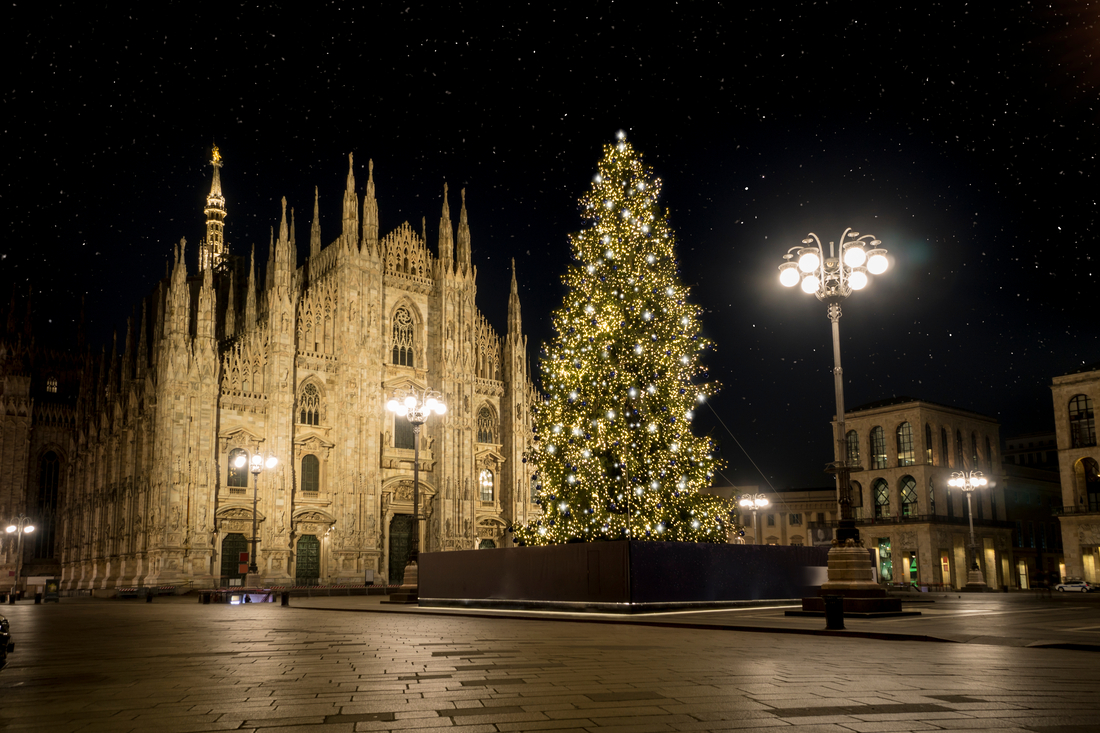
(831, 279)
(969, 482)
(256, 464)
(20, 526)
(415, 405)
(754, 502)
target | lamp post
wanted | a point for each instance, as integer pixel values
(969, 482)
(256, 464)
(832, 279)
(415, 405)
(754, 502)
(19, 527)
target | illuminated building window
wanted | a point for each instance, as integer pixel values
(906, 455)
(485, 480)
(51, 385)
(852, 439)
(881, 490)
(309, 405)
(1082, 427)
(311, 473)
(878, 448)
(486, 426)
(908, 488)
(237, 475)
(403, 340)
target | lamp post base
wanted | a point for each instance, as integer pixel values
(409, 591)
(975, 581)
(851, 572)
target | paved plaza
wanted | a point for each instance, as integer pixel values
(337, 665)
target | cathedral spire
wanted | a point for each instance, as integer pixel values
(463, 264)
(370, 213)
(446, 237)
(231, 310)
(315, 229)
(250, 295)
(212, 250)
(351, 208)
(514, 320)
(269, 273)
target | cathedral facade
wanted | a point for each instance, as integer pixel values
(136, 476)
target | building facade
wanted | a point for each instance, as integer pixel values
(1079, 467)
(131, 458)
(903, 507)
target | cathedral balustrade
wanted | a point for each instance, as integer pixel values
(493, 387)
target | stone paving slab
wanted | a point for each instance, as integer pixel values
(175, 667)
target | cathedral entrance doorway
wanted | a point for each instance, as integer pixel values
(232, 547)
(307, 570)
(401, 529)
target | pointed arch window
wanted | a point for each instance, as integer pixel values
(960, 451)
(878, 447)
(237, 475)
(908, 488)
(945, 449)
(906, 455)
(403, 337)
(928, 445)
(51, 384)
(881, 490)
(309, 405)
(486, 426)
(49, 475)
(1082, 426)
(852, 439)
(485, 481)
(311, 473)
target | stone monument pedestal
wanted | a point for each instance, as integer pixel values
(850, 577)
(409, 588)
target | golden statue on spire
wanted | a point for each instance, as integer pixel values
(217, 161)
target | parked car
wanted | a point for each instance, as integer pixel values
(6, 644)
(1074, 585)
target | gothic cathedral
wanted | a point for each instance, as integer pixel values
(130, 462)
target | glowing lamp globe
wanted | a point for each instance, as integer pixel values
(808, 260)
(854, 256)
(877, 262)
(271, 462)
(788, 274)
(810, 284)
(858, 278)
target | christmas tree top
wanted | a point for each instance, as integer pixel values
(614, 452)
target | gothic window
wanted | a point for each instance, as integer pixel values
(49, 471)
(1082, 427)
(238, 475)
(906, 455)
(878, 448)
(486, 426)
(485, 480)
(403, 337)
(973, 450)
(959, 452)
(945, 449)
(908, 496)
(51, 385)
(309, 405)
(853, 447)
(928, 444)
(404, 436)
(311, 473)
(881, 490)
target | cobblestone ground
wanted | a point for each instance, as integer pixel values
(180, 666)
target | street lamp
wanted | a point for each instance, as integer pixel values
(832, 279)
(20, 526)
(415, 405)
(969, 482)
(256, 464)
(754, 502)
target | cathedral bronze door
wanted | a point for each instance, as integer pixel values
(307, 570)
(232, 547)
(401, 529)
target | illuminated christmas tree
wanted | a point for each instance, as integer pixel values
(614, 452)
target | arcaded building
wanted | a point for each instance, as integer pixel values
(1075, 395)
(905, 510)
(128, 456)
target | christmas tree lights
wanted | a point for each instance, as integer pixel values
(614, 453)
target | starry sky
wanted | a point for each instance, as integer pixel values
(962, 136)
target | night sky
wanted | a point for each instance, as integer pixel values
(962, 135)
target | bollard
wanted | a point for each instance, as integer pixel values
(38, 599)
(285, 598)
(206, 597)
(149, 596)
(834, 612)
